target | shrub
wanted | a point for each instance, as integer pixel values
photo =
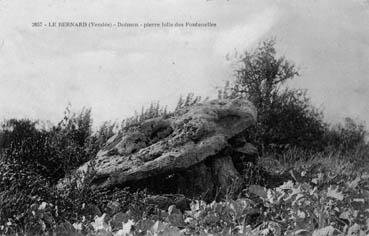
(33, 159)
(156, 110)
(153, 111)
(188, 101)
(55, 151)
(27, 145)
(285, 116)
(347, 136)
(291, 121)
(20, 188)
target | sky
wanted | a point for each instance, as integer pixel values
(116, 71)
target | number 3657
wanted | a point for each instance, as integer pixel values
(36, 24)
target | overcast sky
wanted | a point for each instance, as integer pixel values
(116, 71)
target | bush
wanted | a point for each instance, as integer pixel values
(286, 117)
(346, 137)
(56, 151)
(33, 159)
(153, 111)
(20, 188)
(291, 121)
(24, 144)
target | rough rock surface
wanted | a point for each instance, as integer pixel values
(177, 144)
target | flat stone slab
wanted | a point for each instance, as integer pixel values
(170, 144)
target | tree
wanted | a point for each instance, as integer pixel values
(260, 74)
(285, 116)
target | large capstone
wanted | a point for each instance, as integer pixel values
(181, 152)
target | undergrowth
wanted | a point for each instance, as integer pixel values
(324, 196)
(320, 172)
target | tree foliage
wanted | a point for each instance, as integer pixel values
(55, 151)
(260, 74)
(285, 116)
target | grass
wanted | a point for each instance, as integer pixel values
(327, 193)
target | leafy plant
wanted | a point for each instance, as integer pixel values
(286, 117)
(347, 136)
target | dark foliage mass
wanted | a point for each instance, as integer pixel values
(347, 136)
(286, 117)
(50, 152)
(33, 158)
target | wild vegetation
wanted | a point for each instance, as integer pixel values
(326, 167)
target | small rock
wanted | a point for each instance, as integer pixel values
(173, 210)
(118, 219)
(113, 207)
(175, 216)
(92, 210)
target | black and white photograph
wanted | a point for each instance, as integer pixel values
(184, 117)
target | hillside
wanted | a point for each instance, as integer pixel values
(258, 160)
